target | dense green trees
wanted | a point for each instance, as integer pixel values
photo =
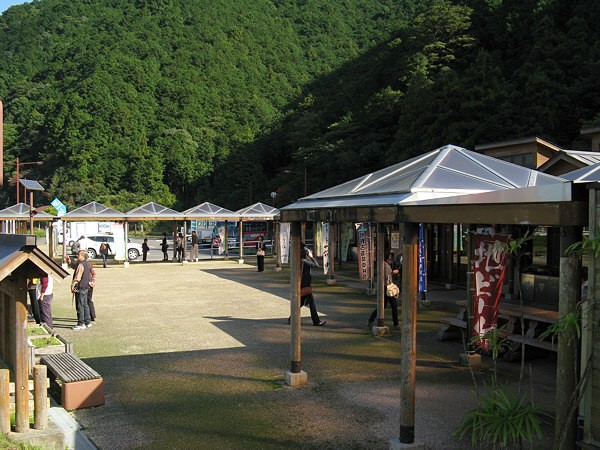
(182, 102)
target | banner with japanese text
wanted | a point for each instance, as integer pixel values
(421, 261)
(221, 231)
(284, 241)
(318, 243)
(363, 237)
(347, 230)
(325, 230)
(489, 268)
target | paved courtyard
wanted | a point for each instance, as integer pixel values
(193, 356)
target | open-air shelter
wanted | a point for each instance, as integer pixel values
(92, 211)
(446, 186)
(210, 211)
(257, 212)
(155, 211)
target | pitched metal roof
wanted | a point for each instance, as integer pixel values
(577, 158)
(446, 171)
(209, 211)
(20, 211)
(93, 211)
(258, 211)
(590, 174)
(154, 211)
(16, 250)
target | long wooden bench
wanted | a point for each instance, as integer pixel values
(81, 386)
(534, 342)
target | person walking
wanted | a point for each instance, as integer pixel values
(388, 300)
(145, 249)
(260, 254)
(179, 241)
(46, 297)
(80, 286)
(194, 252)
(306, 295)
(164, 246)
(104, 251)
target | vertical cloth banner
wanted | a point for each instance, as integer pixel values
(347, 230)
(364, 249)
(421, 260)
(284, 241)
(325, 230)
(318, 242)
(221, 240)
(488, 275)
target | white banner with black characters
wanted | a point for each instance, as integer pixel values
(325, 241)
(284, 241)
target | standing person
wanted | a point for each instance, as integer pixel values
(260, 254)
(91, 294)
(392, 301)
(179, 241)
(164, 246)
(32, 290)
(46, 298)
(104, 251)
(308, 261)
(145, 249)
(194, 252)
(80, 286)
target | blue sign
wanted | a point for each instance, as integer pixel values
(61, 209)
(421, 260)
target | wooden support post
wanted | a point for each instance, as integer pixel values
(51, 240)
(295, 277)
(184, 255)
(380, 276)
(40, 397)
(4, 401)
(566, 363)
(10, 329)
(410, 288)
(21, 368)
(3, 326)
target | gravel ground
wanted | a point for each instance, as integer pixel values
(193, 356)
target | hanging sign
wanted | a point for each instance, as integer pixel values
(221, 240)
(364, 250)
(489, 268)
(325, 229)
(284, 241)
(421, 260)
(318, 244)
(347, 230)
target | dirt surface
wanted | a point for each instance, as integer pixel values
(193, 356)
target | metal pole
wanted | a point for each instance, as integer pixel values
(18, 180)
(226, 244)
(410, 290)
(30, 212)
(295, 278)
(241, 240)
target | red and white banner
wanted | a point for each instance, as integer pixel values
(363, 232)
(488, 275)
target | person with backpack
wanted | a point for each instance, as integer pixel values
(104, 251)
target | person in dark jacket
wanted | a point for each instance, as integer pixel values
(164, 246)
(145, 249)
(104, 251)
(388, 274)
(81, 286)
(260, 254)
(308, 261)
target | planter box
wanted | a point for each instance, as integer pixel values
(35, 353)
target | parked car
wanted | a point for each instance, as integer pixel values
(91, 243)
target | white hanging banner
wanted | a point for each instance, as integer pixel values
(221, 240)
(318, 243)
(347, 233)
(284, 241)
(325, 241)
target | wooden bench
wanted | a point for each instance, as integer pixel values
(534, 342)
(81, 386)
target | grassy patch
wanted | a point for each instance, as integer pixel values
(31, 331)
(45, 341)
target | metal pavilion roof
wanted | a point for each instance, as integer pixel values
(577, 158)
(444, 172)
(154, 211)
(209, 211)
(258, 210)
(20, 211)
(93, 211)
(590, 174)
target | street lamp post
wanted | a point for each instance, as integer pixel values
(19, 164)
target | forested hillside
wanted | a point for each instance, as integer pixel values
(181, 101)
